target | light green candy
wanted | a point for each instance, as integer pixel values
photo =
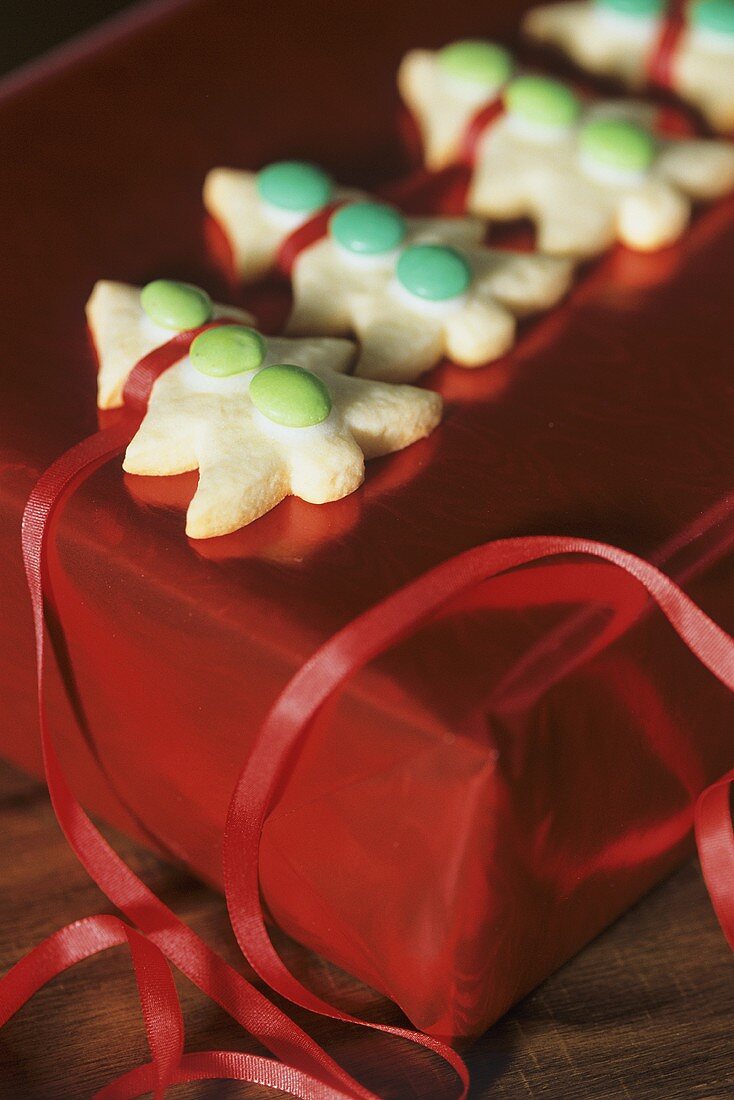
(716, 16)
(542, 102)
(617, 144)
(226, 350)
(290, 396)
(368, 228)
(175, 305)
(295, 185)
(636, 9)
(433, 272)
(477, 62)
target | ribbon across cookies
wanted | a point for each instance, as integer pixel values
(683, 47)
(663, 54)
(300, 239)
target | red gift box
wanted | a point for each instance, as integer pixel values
(490, 794)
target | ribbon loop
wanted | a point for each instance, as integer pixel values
(398, 616)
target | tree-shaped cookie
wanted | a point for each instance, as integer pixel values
(263, 418)
(619, 38)
(444, 89)
(417, 290)
(124, 332)
(259, 210)
(588, 175)
(413, 290)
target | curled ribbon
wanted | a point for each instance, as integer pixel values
(305, 1069)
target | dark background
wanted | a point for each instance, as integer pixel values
(31, 27)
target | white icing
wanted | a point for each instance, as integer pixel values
(375, 262)
(422, 305)
(635, 29)
(283, 434)
(472, 92)
(285, 219)
(157, 334)
(609, 176)
(197, 382)
(704, 38)
(538, 133)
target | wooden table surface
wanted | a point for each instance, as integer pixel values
(644, 1012)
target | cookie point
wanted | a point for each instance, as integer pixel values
(543, 102)
(174, 305)
(226, 350)
(476, 61)
(295, 185)
(290, 395)
(433, 272)
(368, 228)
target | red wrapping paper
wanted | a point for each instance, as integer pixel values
(492, 793)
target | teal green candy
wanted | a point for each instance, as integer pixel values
(368, 228)
(433, 272)
(290, 395)
(617, 144)
(542, 102)
(295, 185)
(636, 9)
(713, 15)
(477, 62)
(226, 350)
(176, 305)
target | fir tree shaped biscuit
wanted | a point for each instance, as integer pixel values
(412, 290)
(617, 38)
(263, 418)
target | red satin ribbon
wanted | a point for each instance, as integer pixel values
(158, 997)
(477, 127)
(662, 57)
(305, 1070)
(302, 238)
(452, 181)
(317, 227)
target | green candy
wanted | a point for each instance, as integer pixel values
(226, 350)
(636, 9)
(368, 228)
(716, 16)
(176, 305)
(542, 102)
(476, 62)
(295, 185)
(617, 144)
(433, 272)
(290, 396)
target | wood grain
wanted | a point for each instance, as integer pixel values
(644, 1012)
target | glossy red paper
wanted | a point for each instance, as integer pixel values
(488, 796)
